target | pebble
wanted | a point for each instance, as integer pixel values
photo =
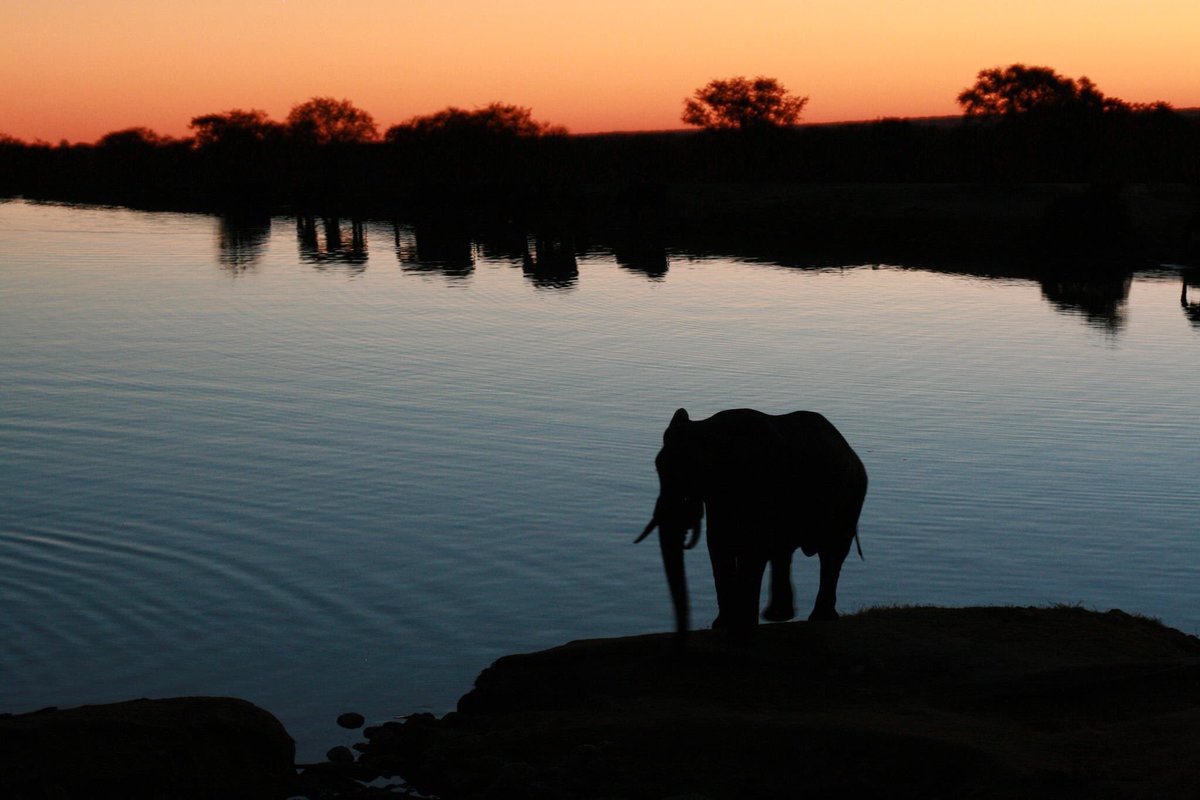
(351, 720)
(340, 755)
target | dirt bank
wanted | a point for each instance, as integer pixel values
(908, 702)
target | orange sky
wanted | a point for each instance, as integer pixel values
(77, 69)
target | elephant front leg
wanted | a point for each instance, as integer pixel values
(739, 586)
(750, 568)
(783, 604)
(738, 580)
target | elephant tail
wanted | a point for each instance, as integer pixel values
(858, 545)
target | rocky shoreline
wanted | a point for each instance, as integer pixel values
(184, 747)
(899, 702)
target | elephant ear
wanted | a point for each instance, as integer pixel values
(680, 418)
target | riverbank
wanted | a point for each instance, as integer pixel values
(1020, 230)
(1124, 191)
(914, 702)
(905, 702)
(1009, 230)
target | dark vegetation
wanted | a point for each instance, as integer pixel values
(1020, 125)
(743, 104)
(233, 161)
(751, 169)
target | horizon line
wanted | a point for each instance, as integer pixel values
(1188, 111)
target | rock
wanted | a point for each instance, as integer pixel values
(186, 747)
(340, 755)
(421, 718)
(351, 720)
(906, 703)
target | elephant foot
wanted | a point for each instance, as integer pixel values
(778, 613)
(740, 635)
(738, 629)
(823, 615)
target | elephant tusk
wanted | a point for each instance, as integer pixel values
(653, 524)
(693, 539)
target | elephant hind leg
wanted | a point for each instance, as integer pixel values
(831, 569)
(783, 604)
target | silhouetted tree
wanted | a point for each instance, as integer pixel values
(1019, 89)
(497, 120)
(1045, 126)
(324, 120)
(1161, 107)
(741, 104)
(15, 162)
(131, 138)
(235, 128)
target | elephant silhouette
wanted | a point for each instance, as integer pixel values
(769, 485)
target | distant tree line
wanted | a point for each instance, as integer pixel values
(1019, 124)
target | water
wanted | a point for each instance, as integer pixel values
(329, 473)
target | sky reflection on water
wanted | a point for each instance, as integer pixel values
(329, 469)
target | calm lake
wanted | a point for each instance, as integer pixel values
(329, 469)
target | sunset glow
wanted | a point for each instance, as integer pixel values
(76, 69)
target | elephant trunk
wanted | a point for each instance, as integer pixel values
(671, 543)
(674, 516)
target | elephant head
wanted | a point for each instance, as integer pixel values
(679, 509)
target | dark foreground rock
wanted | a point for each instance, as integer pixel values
(911, 702)
(180, 748)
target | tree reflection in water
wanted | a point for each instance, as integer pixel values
(332, 243)
(435, 248)
(642, 251)
(241, 241)
(1099, 295)
(1190, 278)
(550, 263)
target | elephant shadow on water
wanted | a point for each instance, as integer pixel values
(769, 485)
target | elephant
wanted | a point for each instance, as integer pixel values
(769, 484)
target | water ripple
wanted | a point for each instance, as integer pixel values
(333, 488)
